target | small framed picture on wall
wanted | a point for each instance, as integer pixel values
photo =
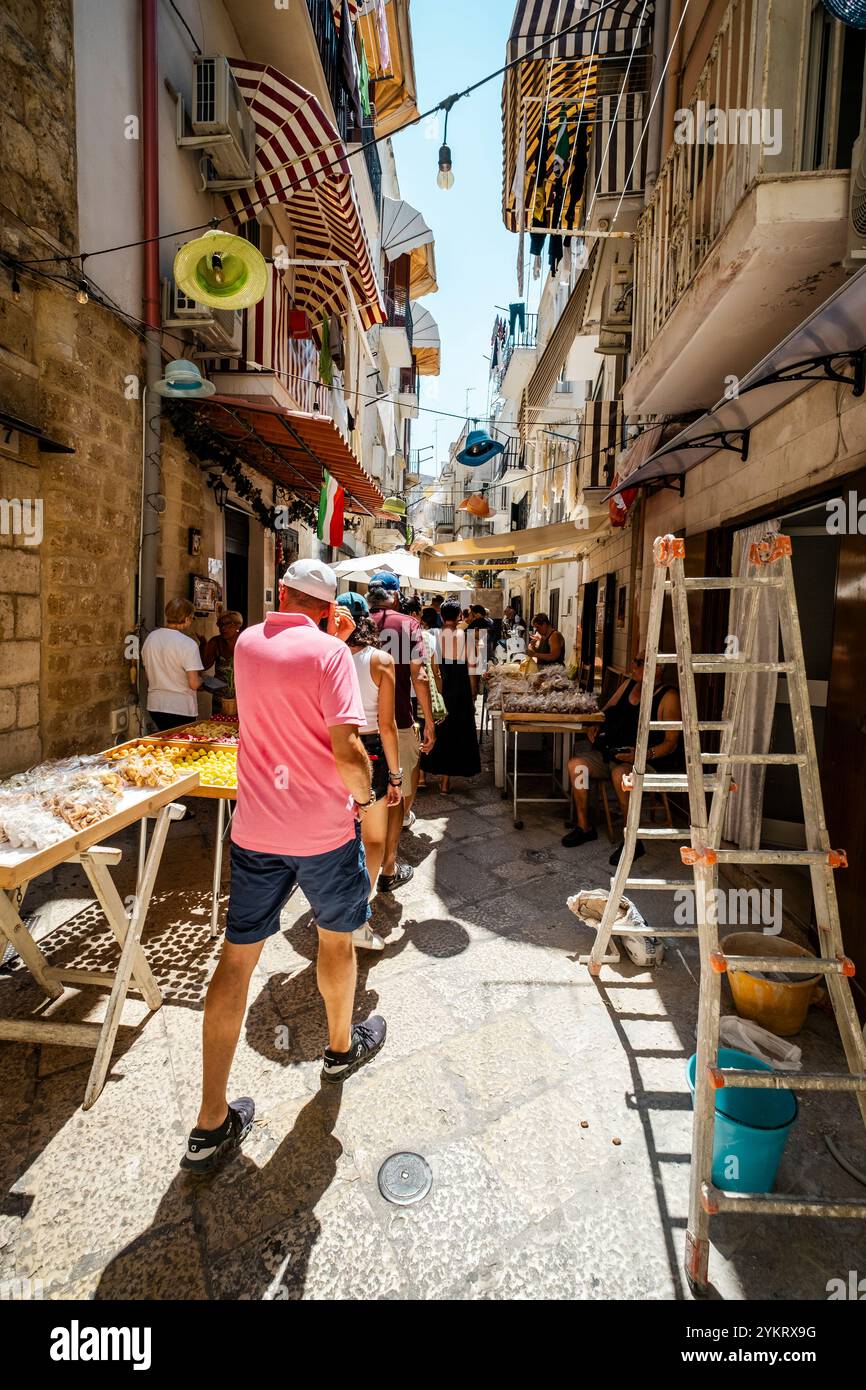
(194, 540)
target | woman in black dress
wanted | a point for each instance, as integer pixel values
(455, 752)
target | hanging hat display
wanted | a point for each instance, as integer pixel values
(476, 505)
(183, 380)
(221, 270)
(394, 506)
(479, 449)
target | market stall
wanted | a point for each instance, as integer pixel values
(209, 748)
(61, 812)
(526, 701)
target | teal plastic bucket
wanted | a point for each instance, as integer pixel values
(751, 1127)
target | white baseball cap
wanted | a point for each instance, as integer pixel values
(313, 578)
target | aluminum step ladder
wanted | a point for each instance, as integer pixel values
(769, 567)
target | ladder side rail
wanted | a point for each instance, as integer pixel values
(635, 800)
(734, 700)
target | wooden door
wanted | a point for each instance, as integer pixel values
(843, 759)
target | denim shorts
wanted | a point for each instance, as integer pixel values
(335, 884)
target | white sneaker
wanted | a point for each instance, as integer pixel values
(367, 940)
(409, 821)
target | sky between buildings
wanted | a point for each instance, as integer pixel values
(456, 42)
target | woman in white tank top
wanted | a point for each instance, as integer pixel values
(377, 678)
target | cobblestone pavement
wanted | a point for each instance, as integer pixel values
(553, 1110)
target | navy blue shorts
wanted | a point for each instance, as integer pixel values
(335, 884)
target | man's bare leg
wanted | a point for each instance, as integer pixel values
(413, 791)
(335, 975)
(224, 1009)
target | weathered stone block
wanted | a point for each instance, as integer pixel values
(19, 572)
(20, 662)
(7, 709)
(19, 749)
(28, 617)
(28, 706)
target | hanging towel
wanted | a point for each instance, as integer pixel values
(364, 82)
(335, 341)
(384, 38)
(349, 62)
(326, 366)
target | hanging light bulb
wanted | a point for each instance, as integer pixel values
(445, 177)
(82, 293)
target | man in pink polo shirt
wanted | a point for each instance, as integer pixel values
(303, 780)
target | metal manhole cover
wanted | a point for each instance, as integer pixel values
(405, 1179)
(537, 856)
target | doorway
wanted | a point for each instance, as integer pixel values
(587, 635)
(237, 544)
(814, 562)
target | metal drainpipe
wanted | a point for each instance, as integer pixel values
(150, 483)
(654, 134)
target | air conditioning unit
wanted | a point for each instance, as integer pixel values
(219, 332)
(856, 251)
(222, 124)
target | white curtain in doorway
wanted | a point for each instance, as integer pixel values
(745, 806)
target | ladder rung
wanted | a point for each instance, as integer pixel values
(772, 1204)
(795, 759)
(651, 833)
(710, 662)
(789, 965)
(774, 856)
(725, 582)
(673, 782)
(788, 1080)
(713, 727)
(659, 884)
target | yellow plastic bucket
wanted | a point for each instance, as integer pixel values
(780, 1005)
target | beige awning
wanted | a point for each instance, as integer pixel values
(426, 344)
(565, 538)
(405, 233)
(392, 86)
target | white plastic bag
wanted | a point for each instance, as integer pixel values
(589, 906)
(748, 1036)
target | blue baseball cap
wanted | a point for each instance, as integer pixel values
(384, 579)
(356, 604)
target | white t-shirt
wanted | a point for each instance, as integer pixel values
(168, 655)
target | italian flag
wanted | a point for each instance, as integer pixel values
(331, 506)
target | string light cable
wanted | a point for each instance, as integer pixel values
(444, 105)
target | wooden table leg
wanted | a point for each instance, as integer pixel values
(95, 865)
(129, 950)
(15, 932)
(217, 869)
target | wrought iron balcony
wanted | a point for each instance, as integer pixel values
(328, 44)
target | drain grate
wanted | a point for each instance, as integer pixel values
(537, 856)
(405, 1178)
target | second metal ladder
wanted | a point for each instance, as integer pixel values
(769, 567)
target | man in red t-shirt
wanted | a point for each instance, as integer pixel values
(402, 636)
(303, 779)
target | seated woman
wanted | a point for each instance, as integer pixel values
(546, 645)
(608, 753)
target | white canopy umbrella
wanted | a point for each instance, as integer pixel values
(402, 563)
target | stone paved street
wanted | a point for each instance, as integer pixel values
(500, 1048)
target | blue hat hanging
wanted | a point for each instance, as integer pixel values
(480, 449)
(851, 12)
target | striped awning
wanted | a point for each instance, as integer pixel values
(302, 162)
(569, 72)
(392, 67)
(426, 344)
(289, 447)
(610, 29)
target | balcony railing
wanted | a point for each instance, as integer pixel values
(267, 348)
(445, 517)
(328, 43)
(700, 184)
(512, 458)
(373, 162)
(398, 314)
